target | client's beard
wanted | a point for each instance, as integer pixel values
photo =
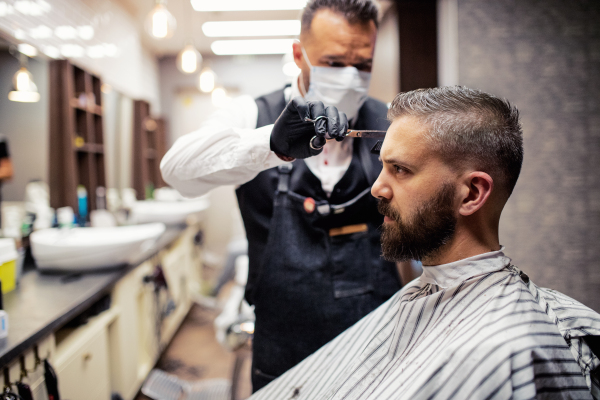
(432, 226)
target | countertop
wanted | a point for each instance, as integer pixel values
(42, 303)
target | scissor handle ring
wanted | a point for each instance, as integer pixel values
(314, 121)
(312, 145)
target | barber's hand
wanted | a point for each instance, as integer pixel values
(292, 134)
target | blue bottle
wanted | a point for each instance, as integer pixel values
(82, 204)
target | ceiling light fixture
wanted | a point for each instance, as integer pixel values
(27, 49)
(251, 28)
(40, 32)
(65, 32)
(33, 8)
(189, 59)
(86, 32)
(24, 90)
(72, 50)
(247, 5)
(207, 80)
(255, 46)
(51, 51)
(160, 23)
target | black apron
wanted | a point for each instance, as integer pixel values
(311, 280)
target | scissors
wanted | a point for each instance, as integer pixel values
(371, 134)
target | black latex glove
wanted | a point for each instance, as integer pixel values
(292, 134)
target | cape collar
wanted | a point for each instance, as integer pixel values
(446, 275)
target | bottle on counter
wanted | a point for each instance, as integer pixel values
(101, 217)
(82, 203)
(3, 318)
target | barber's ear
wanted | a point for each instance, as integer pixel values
(478, 188)
(297, 51)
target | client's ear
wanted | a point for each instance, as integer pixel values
(478, 188)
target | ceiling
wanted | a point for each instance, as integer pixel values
(189, 23)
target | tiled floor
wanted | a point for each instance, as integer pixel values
(194, 354)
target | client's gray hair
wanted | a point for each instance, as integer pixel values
(469, 127)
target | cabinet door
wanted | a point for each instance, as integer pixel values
(132, 346)
(84, 374)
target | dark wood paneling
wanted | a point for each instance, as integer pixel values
(149, 146)
(417, 22)
(141, 111)
(76, 135)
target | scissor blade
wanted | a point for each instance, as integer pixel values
(366, 134)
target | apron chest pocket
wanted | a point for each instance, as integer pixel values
(351, 265)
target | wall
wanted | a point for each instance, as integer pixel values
(26, 127)
(385, 76)
(132, 72)
(544, 56)
(253, 76)
(114, 50)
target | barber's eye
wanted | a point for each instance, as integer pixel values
(399, 169)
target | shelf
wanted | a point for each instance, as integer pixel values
(76, 135)
(149, 146)
(94, 109)
(90, 148)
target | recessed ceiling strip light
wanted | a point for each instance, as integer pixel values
(247, 5)
(257, 46)
(251, 28)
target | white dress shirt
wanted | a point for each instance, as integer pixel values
(229, 150)
(473, 329)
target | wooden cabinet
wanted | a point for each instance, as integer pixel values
(115, 350)
(82, 359)
(149, 146)
(76, 135)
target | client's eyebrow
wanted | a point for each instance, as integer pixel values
(394, 161)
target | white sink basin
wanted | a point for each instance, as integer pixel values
(167, 212)
(92, 248)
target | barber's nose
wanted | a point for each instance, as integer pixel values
(380, 189)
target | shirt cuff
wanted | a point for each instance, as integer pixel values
(268, 158)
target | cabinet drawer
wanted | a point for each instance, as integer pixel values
(84, 374)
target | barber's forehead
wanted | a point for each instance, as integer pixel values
(332, 24)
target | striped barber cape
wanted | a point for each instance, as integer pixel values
(473, 329)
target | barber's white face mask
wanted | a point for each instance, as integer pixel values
(342, 87)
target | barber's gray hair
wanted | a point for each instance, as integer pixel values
(355, 11)
(469, 128)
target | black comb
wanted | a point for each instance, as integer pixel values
(377, 148)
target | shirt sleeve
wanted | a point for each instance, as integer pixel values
(226, 150)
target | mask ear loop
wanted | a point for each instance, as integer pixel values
(302, 87)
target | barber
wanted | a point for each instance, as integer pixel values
(312, 226)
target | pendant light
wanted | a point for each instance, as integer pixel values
(207, 80)
(189, 59)
(160, 23)
(24, 90)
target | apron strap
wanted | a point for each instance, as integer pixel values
(284, 177)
